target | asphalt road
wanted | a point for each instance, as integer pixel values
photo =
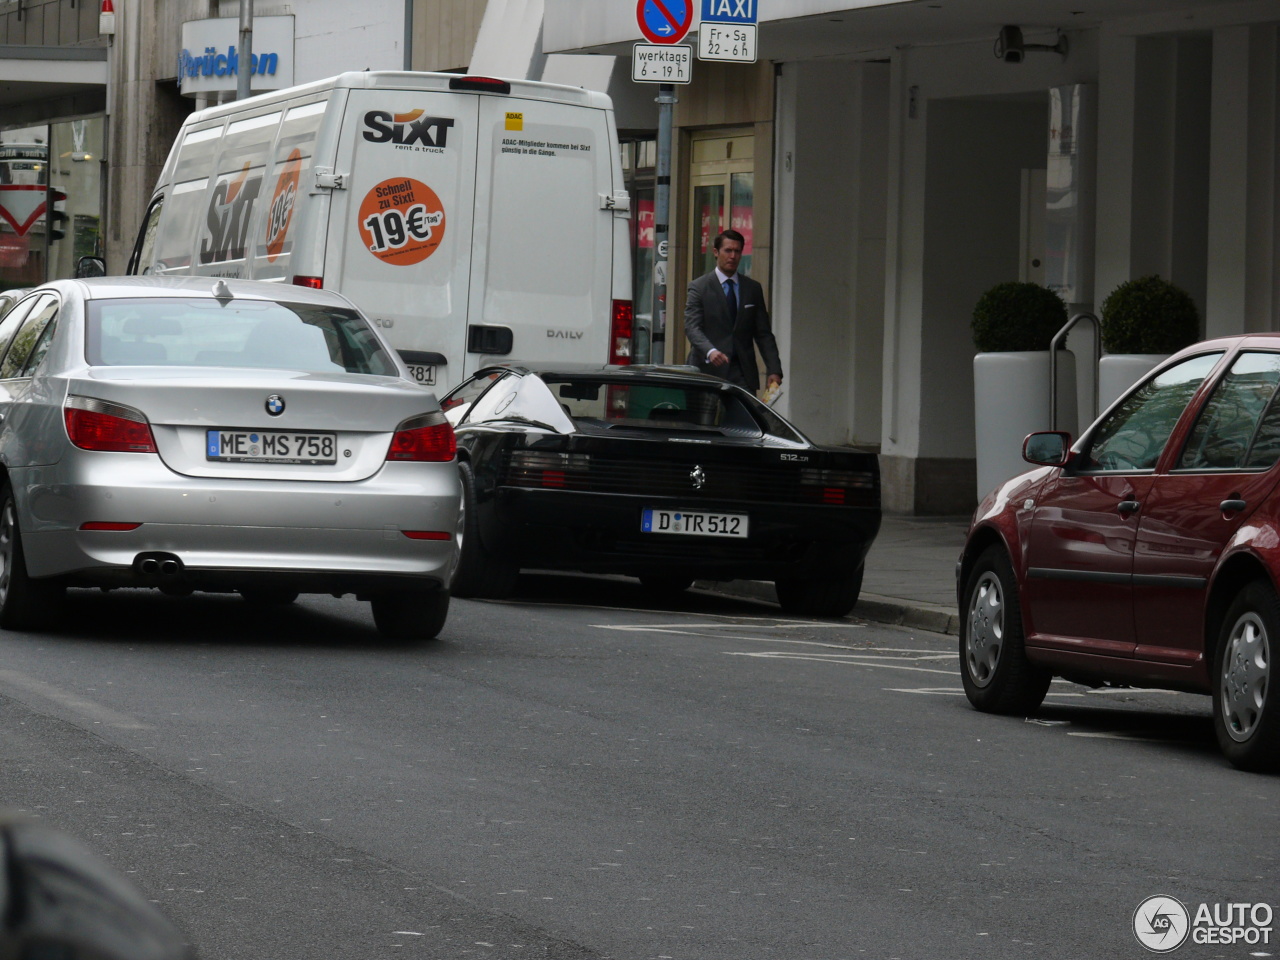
(574, 774)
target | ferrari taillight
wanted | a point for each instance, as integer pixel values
(426, 438)
(94, 424)
(549, 470)
(853, 488)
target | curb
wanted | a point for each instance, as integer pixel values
(904, 613)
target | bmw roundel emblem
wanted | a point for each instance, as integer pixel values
(275, 405)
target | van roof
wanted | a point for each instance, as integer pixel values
(410, 80)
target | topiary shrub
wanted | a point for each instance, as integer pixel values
(1017, 316)
(1149, 315)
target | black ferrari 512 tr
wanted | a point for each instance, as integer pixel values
(660, 473)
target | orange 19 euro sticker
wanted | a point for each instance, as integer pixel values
(401, 221)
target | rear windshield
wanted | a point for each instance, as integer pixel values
(200, 332)
(663, 406)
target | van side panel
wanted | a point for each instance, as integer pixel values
(542, 259)
(288, 178)
(223, 236)
(400, 233)
(195, 156)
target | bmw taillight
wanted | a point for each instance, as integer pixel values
(94, 424)
(845, 488)
(548, 469)
(426, 438)
(315, 283)
(621, 328)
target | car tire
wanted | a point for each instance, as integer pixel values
(832, 596)
(669, 585)
(998, 677)
(25, 603)
(411, 615)
(1246, 705)
(268, 596)
(478, 572)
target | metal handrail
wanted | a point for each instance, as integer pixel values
(1053, 363)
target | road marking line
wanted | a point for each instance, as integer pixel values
(851, 661)
(71, 701)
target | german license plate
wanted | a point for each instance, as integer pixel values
(270, 446)
(423, 373)
(696, 523)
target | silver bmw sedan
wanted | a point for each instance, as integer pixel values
(204, 434)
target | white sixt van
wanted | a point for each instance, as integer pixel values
(473, 219)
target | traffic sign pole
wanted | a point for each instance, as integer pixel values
(652, 345)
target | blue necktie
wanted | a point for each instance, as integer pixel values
(733, 300)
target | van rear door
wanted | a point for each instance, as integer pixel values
(543, 247)
(400, 233)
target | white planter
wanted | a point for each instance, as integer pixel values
(1011, 400)
(1117, 372)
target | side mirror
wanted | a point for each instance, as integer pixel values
(90, 267)
(1051, 448)
(58, 899)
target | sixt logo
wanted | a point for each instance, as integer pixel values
(227, 218)
(406, 129)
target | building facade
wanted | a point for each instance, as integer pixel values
(900, 166)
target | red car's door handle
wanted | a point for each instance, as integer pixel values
(1127, 507)
(1232, 506)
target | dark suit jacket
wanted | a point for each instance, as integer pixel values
(706, 324)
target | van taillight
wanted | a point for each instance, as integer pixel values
(425, 438)
(315, 283)
(480, 84)
(620, 331)
(94, 424)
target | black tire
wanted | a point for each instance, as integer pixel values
(416, 615)
(998, 677)
(268, 596)
(25, 604)
(832, 596)
(1246, 705)
(663, 584)
(478, 572)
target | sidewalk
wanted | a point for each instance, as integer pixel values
(910, 578)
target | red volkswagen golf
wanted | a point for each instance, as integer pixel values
(1146, 554)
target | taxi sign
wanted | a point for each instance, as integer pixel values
(729, 11)
(665, 21)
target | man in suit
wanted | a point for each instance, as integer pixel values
(725, 318)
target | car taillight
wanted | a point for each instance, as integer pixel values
(315, 283)
(94, 424)
(620, 331)
(425, 438)
(548, 469)
(848, 488)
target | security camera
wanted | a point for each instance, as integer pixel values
(1011, 49)
(1009, 45)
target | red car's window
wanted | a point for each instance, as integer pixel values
(1231, 432)
(1133, 435)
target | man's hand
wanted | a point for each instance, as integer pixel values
(773, 378)
(717, 358)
